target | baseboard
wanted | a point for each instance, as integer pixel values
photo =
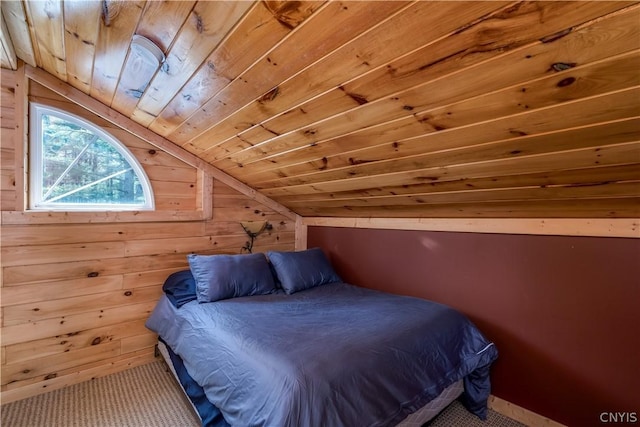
(520, 414)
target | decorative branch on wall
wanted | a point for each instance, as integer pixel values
(253, 230)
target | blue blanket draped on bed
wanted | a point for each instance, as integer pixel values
(335, 355)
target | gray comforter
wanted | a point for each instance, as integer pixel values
(334, 355)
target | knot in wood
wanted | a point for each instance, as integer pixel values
(566, 82)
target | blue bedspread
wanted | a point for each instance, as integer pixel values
(334, 355)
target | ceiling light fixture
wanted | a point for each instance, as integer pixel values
(145, 57)
(147, 49)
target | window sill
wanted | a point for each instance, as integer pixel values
(55, 217)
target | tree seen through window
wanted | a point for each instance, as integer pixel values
(83, 167)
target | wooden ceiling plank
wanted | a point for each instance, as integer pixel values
(594, 110)
(389, 142)
(8, 57)
(46, 18)
(213, 151)
(565, 140)
(207, 24)
(327, 30)
(457, 48)
(421, 23)
(603, 190)
(159, 115)
(260, 30)
(586, 36)
(114, 36)
(609, 155)
(572, 177)
(628, 207)
(18, 28)
(302, 113)
(582, 81)
(160, 22)
(524, 65)
(81, 25)
(579, 82)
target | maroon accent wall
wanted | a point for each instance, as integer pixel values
(563, 311)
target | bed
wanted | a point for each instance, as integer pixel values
(282, 341)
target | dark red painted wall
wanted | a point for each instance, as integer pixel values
(563, 311)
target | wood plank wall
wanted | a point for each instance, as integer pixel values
(76, 290)
(7, 137)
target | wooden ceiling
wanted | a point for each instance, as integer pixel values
(374, 109)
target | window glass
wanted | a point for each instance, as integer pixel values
(77, 166)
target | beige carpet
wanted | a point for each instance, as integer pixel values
(148, 396)
(144, 396)
(455, 415)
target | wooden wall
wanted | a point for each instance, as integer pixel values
(7, 137)
(77, 288)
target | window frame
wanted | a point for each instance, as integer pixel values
(35, 158)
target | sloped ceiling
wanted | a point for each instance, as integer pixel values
(374, 109)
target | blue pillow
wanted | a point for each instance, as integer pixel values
(302, 270)
(180, 288)
(230, 276)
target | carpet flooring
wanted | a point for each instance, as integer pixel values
(148, 396)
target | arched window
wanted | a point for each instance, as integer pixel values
(74, 165)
